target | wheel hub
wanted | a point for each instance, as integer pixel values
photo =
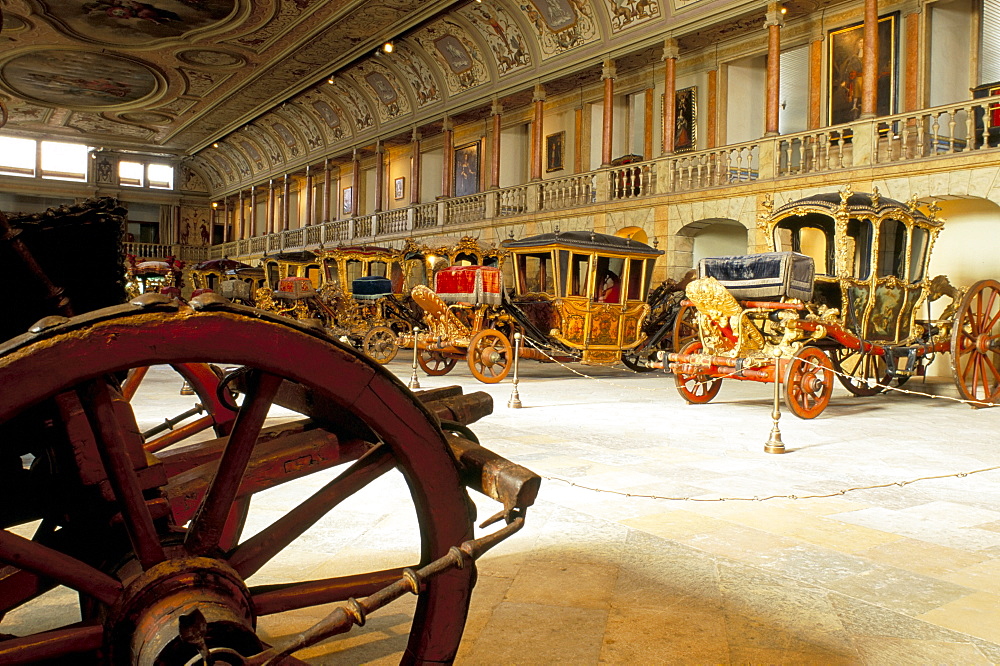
(180, 609)
(490, 356)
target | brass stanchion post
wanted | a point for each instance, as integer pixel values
(414, 382)
(515, 399)
(774, 444)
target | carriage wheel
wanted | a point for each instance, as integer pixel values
(975, 344)
(490, 356)
(380, 344)
(808, 382)
(696, 389)
(435, 363)
(634, 361)
(131, 550)
(858, 371)
(685, 326)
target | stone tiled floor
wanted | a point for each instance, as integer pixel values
(899, 574)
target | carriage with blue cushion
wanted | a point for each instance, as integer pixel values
(840, 294)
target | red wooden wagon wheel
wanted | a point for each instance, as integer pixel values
(380, 344)
(142, 540)
(861, 374)
(975, 343)
(490, 356)
(435, 363)
(696, 389)
(685, 326)
(808, 382)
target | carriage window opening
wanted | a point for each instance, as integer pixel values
(635, 280)
(891, 249)
(918, 253)
(272, 275)
(813, 243)
(416, 273)
(489, 261)
(353, 270)
(331, 272)
(782, 239)
(608, 287)
(17, 156)
(536, 273)
(465, 259)
(579, 271)
(859, 252)
(212, 281)
(377, 268)
(396, 276)
(312, 272)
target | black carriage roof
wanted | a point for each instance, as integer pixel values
(587, 240)
(858, 204)
(301, 256)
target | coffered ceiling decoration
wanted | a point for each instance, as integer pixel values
(279, 84)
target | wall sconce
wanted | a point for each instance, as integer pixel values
(215, 145)
(215, 204)
(388, 47)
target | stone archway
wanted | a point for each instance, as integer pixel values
(710, 237)
(635, 233)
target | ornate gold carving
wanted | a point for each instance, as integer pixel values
(723, 326)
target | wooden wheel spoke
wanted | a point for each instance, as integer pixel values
(119, 451)
(270, 599)
(48, 562)
(251, 555)
(208, 523)
(49, 645)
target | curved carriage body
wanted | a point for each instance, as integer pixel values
(840, 294)
(582, 295)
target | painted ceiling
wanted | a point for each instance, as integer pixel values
(278, 83)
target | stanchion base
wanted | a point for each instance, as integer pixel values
(775, 445)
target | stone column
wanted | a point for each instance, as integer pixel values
(286, 200)
(911, 25)
(241, 229)
(608, 75)
(309, 198)
(537, 132)
(252, 227)
(816, 82)
(869, 65)
(269, 222)
(448, 161)
(327, 189)
(670, 52)
(647, 130)
(497, 110)
(578, 140)
(355, 184)
(415, 162)
(712, 110)
(774, 21)
(379, 177)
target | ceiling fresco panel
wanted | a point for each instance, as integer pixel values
(94, 123)
(258, 162)
(237, 158)
(117, 23)
(290, 142)
(270, 144)
(329, 114)
(200, 82)
(190, 180)
(501, 32)
(456, 54)
(382, 86)
(211, 171)
(78, 79)
(425, 86)
(356, 106)
(624, 14)
(561, 25)
(305, 124)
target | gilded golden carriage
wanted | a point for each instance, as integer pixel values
(841, 294)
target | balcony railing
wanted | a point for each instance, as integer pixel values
(950, 130)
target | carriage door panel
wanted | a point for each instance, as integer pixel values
(890, 296)
(576, 310)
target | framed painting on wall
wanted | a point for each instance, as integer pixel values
(555, 151)
(844, 90)
(467, 169)
(685, 118)
(400, 184)
(348, 200)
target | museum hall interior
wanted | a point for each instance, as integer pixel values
(500, 332)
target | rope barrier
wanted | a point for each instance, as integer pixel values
(838, 493)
